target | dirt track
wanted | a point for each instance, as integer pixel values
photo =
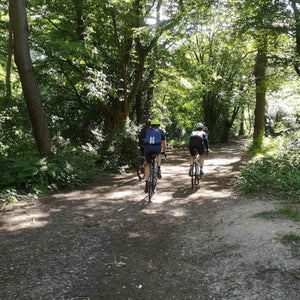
(108, 242)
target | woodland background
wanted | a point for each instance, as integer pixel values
(79, 78)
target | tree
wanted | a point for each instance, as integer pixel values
(297, 34)
(260, 83)
(25, 68)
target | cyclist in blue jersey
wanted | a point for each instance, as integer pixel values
(142, 136)
(155, 142)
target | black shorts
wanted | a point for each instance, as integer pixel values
(151, 149)
(200, 149)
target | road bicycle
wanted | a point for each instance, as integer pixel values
(195, 171)
(152, 181)
(141, 168)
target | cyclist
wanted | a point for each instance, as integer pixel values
(142, 136)
(199, 141)
(155, 142)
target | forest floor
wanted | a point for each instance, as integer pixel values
(108, 242)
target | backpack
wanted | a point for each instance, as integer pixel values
(153, 136)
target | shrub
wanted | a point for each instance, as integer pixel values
(275, 173)
(119, 150)
(70, 167)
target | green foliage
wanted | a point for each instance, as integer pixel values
(9, 196)
(286, 211)
(275, 173)
(29, 172)
(266, 214)
(289, 212)
(291, 237)
(119, 150)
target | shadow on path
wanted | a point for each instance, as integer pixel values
(108, 242)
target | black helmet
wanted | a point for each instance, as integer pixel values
(199, 126)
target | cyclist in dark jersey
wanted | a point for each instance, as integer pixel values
(199, 141)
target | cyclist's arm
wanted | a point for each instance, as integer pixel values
(164, 146)
(163, 141)
(205, 140)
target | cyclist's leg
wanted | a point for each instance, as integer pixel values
(191, 160)
(148, 166)
(201, 162)
(147, 171)
(158, 161)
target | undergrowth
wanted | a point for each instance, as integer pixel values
(275, 170)
(25, 173)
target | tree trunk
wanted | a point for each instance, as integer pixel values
(79, 19)
(27, 76)
(297, 34)
(260, 82)
(209, 116)
(242, 125)
(8, 64)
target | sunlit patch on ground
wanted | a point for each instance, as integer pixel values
(222, 161)
(24, 221)
(120, 194)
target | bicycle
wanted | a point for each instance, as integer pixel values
(141, 168)
(152, 181)
(195, 176)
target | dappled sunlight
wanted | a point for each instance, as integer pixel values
(23, 221)
(160, 196)
(120, 194)
(222, 161)
(217, 194)
(144, 235)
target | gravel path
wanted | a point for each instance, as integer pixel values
(108, 242)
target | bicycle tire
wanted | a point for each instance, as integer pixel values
(150, 191)
(140, 172)
(193, 175)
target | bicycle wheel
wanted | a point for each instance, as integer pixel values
(141, 172)
(198, 179)
(193, 176)
(150, 185)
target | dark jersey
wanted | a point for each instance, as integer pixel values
(198, 140)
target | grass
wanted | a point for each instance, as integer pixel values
(267, 214)
(295, 273)
(291, 237)
(290, 213)
(286, 211)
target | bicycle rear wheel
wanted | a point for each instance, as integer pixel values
(150, 185)
(193, 176)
